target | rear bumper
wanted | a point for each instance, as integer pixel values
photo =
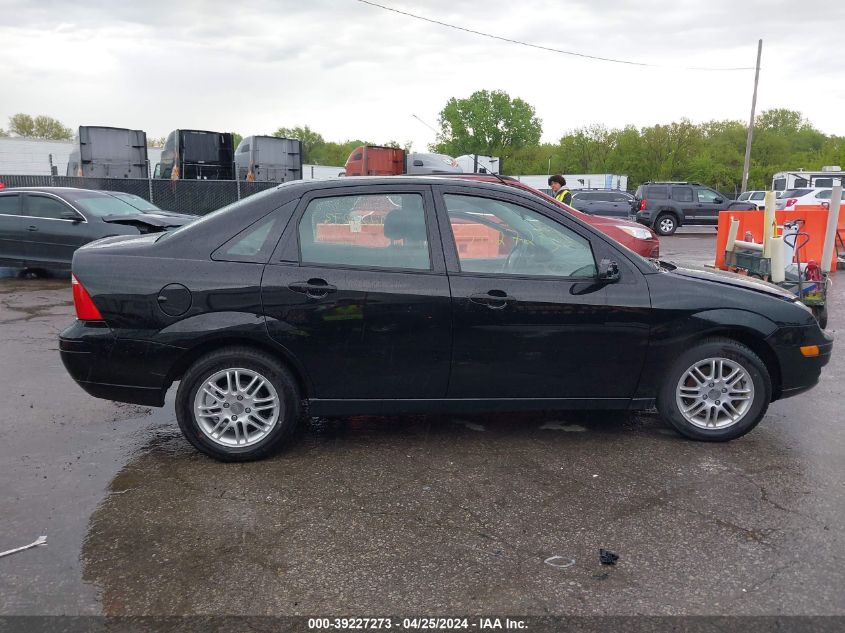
(115, 369)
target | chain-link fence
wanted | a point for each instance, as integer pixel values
(196, 197)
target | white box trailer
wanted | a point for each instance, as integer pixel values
(580, 181)
(269, 158)
(108, 152)
(476, 164)
(829, 176)
(31, 157)
(322, 172)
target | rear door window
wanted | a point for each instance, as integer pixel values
(370, 231)
(45, 207)
(10, 204)
(682, 194)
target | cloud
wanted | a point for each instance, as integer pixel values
(350, 70)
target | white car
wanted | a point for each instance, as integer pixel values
(757, 197)
(793, 197)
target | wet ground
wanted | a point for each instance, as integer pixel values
(417, 515)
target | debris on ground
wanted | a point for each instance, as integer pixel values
(559, 561)
(41, 540)
(607, 557)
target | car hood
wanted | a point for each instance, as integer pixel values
(605, 220)
(151, 221)
(730, 279)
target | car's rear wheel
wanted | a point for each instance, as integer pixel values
(665, 224)
(237, 404)
(717, 391)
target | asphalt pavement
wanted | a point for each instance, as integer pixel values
(486, 514)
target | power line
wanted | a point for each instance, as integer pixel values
(548, 48)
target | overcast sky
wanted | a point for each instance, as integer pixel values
(350, 70)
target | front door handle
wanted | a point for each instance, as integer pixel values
(32, 228)
(313, 288)
(494, 299)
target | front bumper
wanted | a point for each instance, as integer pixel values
(115, 369)
(800, 373)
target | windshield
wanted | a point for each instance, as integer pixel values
(101, 204)
(136, 201)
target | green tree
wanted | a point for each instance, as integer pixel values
(310, 140)
(236, 139)
(22, 125)
(155, 141)
(487, 122)
(43, 127)
(3, 133)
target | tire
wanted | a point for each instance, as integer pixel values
(820, 312)
(749, 394)
(666, 224)
(258, 433)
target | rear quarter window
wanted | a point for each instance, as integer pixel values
(658, 192)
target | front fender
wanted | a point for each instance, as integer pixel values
(677, 333)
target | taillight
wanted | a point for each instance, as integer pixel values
(85, 308)
(642, 205)
(791, 201)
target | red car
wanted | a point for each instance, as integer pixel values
(640, 239)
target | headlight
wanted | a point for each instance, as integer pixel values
(801, 305)
(640, 233)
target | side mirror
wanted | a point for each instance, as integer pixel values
(608, 271)
(73, 216)
(718, 200)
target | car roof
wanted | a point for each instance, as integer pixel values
(436, 179)
(672, 182)
(59, 191)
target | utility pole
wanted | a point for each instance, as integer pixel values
(747, 164)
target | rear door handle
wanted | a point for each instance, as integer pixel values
(494, 299)
(32, 228)
(314, 288)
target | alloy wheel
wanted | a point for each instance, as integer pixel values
(715, 393)
(237, 407)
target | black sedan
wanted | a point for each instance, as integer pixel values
(402, 295)
(41, 227)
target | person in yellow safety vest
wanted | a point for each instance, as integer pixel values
(559, 190)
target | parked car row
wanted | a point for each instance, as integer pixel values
(41, 227)
(420, 294)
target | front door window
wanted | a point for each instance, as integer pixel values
(493, 236)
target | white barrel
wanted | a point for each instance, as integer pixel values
(732, 234)
(778, 269)
(768, 223)
(830, 232)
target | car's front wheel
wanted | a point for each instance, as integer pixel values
(666, 224)
(717, 391)
(237, 404)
